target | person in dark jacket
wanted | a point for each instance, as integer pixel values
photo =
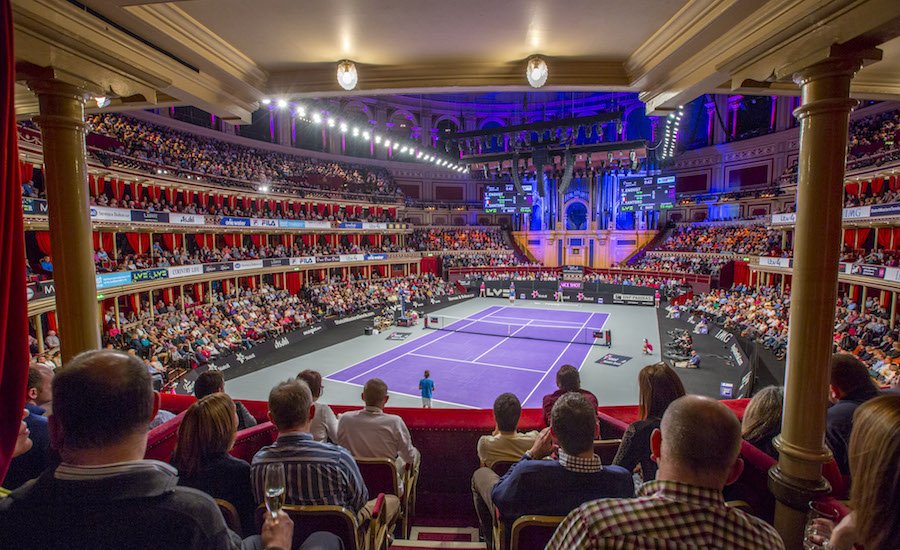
(37, 459)
(658, 386)
(212, 381)
(851, 386)
(205, 436)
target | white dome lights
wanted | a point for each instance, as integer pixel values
(347, 76)
(536, 71)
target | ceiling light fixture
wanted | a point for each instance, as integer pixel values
(536, 71)
(282, 103)
(102, 101)
(347, 76)
(301, 111)
(266, 101)
(317, 118)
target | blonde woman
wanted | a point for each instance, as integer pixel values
(762, 419)
(205, 436)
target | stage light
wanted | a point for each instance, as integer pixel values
(671, 115)
(346, 75)
(387, 143)
(266, 101)
(536, 71)
(355, 131)
(366, 135)
(419, 155)
(282, 103)
(396, 145)
(343, 127)
(331, 123)
(403, 149)
(301, 111)
(377, 138)
(317, 118)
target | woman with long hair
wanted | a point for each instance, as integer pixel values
(762, 419)
(874, 456)
(658, 386)
(205, 436)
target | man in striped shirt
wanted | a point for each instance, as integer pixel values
(697, 451)
(316, 473)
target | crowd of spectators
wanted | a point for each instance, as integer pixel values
(222, 161)
(494, 259)
(869, 197)
(875, 256)
(341, 298)
(748, 239)
(677, 264)
(458, 239)
(211, 209)
(873, 134)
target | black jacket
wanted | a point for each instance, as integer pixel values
(228, 478)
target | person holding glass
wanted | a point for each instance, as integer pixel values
(874, 454)
(205, 436)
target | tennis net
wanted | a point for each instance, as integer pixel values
(575, 334)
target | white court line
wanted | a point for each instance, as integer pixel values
(492, 348)
(408, 394)
(541, 322)
(474, 362)
(408, 352)
(553, 364)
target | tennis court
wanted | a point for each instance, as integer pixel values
(473, 359)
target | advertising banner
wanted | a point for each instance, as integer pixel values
(874, 271)
(599, 293)
(878, 210)
(34, 207)
(145, 275)
(353, 257)
(375, 225)
(856, 213)
(775, 262)
(276, 262)
(42, 289)
(376, 257)
(187, 219)
(105, 213)
(248, 264)
(304, 260)
(327, 259)
(351, 225)
(218, 268)
(262, 222)
(155, 217)
(185, 270)
(109, 280)
(292, 224)
(790, 217)
(234, 222)
(316, 224)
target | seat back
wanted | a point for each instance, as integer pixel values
(753, 485)
(232, 519)
(247, 442)
(308, 519)
(502, 466)
(606, 449)
(379, 475)
(533, 532)
(161, 440)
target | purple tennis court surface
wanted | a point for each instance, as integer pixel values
(472, 369)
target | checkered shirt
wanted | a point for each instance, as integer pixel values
(665, 515)
(579, 465)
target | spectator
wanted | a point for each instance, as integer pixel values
(874, 523)
(30, 464)
(371, 433)
(323, 473)
(104, 494)
(658, 387)
(505, 444)
(568, 380)
(52, 340)
(213, 381)
(684, 507)
(762, 419)
(205, 436)
(551, 487)
(324, 423)
(850, 386)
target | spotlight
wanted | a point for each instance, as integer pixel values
(301, 111)
(331, 123)
(355, 131)
(419, 155)
(266, 101)
(396, 145)
(387, 143)
(403, 149)
(377, 138)
(346, 75)
(366, 135)
(282, 103)
(536, 71)
(343, 127)
(671, 115)
(317, 118)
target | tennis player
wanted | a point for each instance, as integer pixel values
(512, 292)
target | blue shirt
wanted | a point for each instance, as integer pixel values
(427, 386)
(37, 459)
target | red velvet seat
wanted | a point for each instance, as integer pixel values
(248, 441)
(162, 439)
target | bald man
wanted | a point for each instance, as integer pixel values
(696, 448)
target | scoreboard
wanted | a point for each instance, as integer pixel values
(504, 198)
(647, 193)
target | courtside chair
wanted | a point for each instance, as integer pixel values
(500, 467)
(533, 532)
(337, 520)
(380, 476)
(606, 449)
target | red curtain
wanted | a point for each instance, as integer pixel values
(429, 264)
(26, 171)
(14, 319)
(202, 240)
(171, 241)
(232, 239)
(373, 240)
(392, 212)
(877, 184)
(893, 182)
(199, 290)
(896, 238)
(139, 242)
(43, 240)
(852, 189)
(256, 239)
(884, 238)
(321, 209)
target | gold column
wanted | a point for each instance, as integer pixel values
(62, 126)
(824, 118)
(39, 332)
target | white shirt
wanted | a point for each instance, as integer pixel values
(370, 433)
(325, 424)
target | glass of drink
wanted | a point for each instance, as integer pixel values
(820, 523)
(274, 487)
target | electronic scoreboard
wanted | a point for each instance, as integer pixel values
(504, 198)
(647, 193)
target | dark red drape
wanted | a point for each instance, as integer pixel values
(43, 241)
(232, 239)
(13, 305)
(26, 171)
(256, 239)
(139, 242)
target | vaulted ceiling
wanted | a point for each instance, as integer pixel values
(226, 55)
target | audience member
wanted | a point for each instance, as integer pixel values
(213, 381)
(658, 387)
(568, 380)
(762, 419)
(324, 425)
(104, 494)
(29, 465)
(851, 386)
(205, 436)
(551, 487)
(505, 444)
(683, 507)
(322, 473)
(371, 433)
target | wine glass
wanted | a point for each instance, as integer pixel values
(820, 523)
(274, 487)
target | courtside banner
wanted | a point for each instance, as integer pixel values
(878, 210)
(351, 225)
(790, 217)
(109, 280)
(262, 222)
(316, 225)
(152, 217)
(328, 259)
(248, 264)
(145, 275)
(276, 262)
(292, 224)
(34, 207)
(376, 257)
(304, 260)
(353, 257)
(218, 268)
